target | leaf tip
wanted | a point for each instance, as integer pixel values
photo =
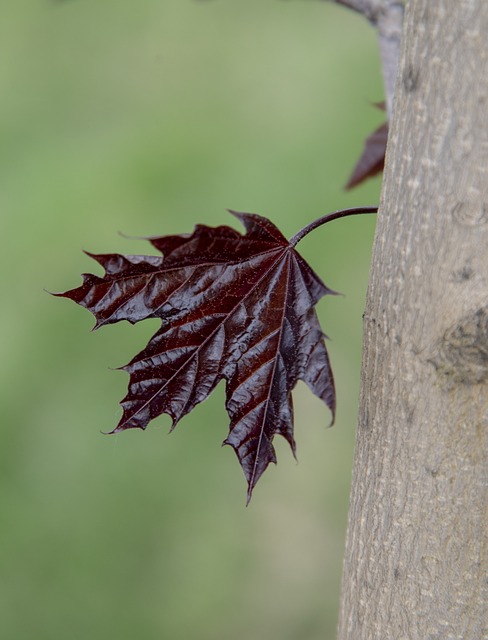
(333, 416)
(110, 433)
(61, 294)
(238, 215)
(333, 292)
(248, 496)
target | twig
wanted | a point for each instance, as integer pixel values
(387, 17)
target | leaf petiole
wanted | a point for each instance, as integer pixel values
(342, 213)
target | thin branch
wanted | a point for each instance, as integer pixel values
(387, 17)
(369, 8)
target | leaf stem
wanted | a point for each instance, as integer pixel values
(341, 213)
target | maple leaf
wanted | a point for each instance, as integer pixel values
(372, 159)
(235, 307)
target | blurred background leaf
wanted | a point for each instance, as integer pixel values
(148, 118)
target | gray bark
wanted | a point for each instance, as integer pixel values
(416, 552)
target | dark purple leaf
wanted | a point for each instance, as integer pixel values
(233, 307)
(372, 160)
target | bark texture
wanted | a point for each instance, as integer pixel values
(416, 553)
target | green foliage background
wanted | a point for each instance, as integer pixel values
(148, 117)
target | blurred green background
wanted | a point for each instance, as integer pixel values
(149, 117)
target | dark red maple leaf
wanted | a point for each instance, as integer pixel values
(233, 307)
(372, 159)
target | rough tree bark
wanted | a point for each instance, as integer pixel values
(416, 552)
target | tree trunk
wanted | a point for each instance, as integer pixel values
(416, 552)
